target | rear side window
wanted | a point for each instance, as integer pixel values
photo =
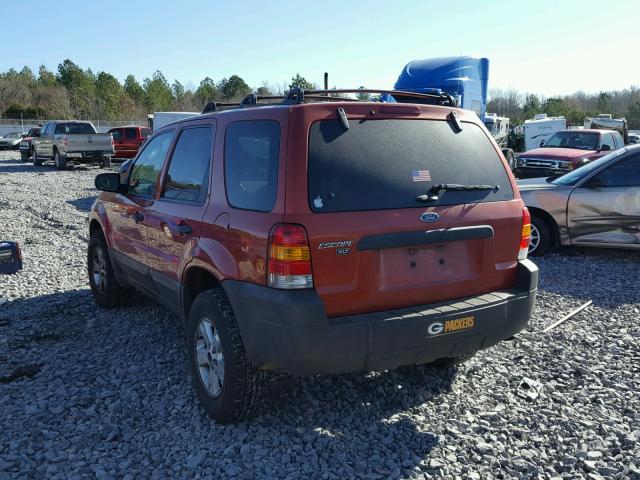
(146, 169)
(386, 164)
(251, 154)
(130, 133)
(74, 128)
(607, 139)
(116, 134)
(188, 175)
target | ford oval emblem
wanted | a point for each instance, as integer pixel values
(429, 217)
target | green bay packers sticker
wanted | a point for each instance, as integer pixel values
(451, 326)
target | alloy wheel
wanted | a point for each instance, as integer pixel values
(209, 357)
(99, 270)
(534, 239)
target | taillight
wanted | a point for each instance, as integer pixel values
(526, 234)
(18, 252)
(289, 258)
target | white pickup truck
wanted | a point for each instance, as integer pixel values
(76, 141)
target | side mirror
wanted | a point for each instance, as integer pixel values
(10, 258)
(108, 182)
(604, 148)
(541, 143)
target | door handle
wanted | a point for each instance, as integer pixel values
(182, 228)
(137, 217)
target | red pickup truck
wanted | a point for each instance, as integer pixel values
(127, 140)
(567, 150)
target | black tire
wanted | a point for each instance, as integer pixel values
(106, 162)
(37, 161)
(453, 361)
(24, 156)
(59, 160)
(110, 294)
(545, 240)
(511, 160)
(242, 385)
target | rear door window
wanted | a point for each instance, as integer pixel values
(386, 164)
(251, 153)
(188, 175)
(146, 169)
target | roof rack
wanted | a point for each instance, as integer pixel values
(297, 96)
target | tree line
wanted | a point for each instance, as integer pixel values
(575, 107)
(73, 92)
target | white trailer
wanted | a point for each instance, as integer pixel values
(160, 119)
(606, 122)
(540, 128)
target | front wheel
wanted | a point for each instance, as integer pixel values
(24, 156)
(105, 288)
(540, 240)
(106, 162)
(37, 161)
(227, 384)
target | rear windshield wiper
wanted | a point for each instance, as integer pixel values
(432, 195)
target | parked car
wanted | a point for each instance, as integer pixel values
(11, 141)
(597, 205)
(75, 141)
(286, 240)
(25, 144)
(127, 140)
(567, 150)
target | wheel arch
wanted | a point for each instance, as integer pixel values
(195, 280)
(551, 223)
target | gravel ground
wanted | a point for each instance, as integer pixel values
(86, 393)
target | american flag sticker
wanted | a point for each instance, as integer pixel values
(421, 175)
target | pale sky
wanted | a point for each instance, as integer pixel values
(548, 47)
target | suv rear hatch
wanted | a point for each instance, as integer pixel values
(374, 246)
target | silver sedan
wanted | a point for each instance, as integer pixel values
(11, 141)
(597, 205)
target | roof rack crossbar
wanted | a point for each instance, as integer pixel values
(298, 95)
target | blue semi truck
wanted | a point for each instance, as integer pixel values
(466, 80)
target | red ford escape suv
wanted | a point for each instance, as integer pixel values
(317, 235)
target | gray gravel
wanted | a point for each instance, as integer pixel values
(86, 393)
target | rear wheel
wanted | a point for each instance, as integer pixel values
(36, 160)
(106, 291)
(511, 160)
(226, 382)
(59, 160)
(540, 241)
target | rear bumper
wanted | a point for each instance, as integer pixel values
(92, 156)
(289, 330)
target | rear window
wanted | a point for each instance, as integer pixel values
(130, 133)
(386, 164)
(251, 152)
(74, 128)
(116, 134)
